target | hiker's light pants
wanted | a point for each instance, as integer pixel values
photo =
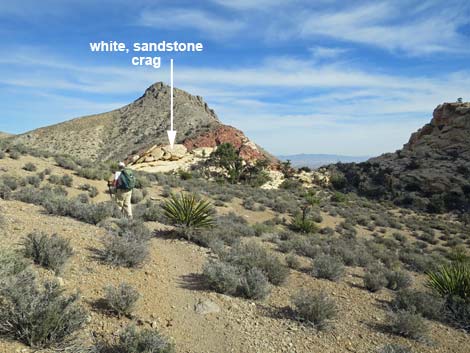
(123, 199)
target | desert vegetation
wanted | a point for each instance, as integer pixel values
(297, 257)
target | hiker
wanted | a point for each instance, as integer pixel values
(123, 182)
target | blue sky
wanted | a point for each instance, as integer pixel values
(326, 76)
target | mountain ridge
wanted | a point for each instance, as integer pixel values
(123, 132)
(314, 160)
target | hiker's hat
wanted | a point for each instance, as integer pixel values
(122, 165)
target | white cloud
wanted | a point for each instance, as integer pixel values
(320, 52)
(251, 4)
(207, 23)
(299, 99)
(389, 25)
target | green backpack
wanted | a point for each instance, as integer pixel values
(126, 180)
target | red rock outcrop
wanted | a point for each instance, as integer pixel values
(227, 134)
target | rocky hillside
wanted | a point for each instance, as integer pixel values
(431, 171)
(137, 127)
(4, 135)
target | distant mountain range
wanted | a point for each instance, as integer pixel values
(318, 160)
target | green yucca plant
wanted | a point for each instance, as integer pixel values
(451, 280)
(188, 212)
(302, 223)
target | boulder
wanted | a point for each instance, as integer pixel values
(157, 153)
(175, 153)
(205, 306)
(202, 152)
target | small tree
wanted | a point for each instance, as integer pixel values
(286, 169)
(227, 157)
(255, 174)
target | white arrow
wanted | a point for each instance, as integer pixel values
(171, 133)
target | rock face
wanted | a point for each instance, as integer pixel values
(227, 134)
(431, 172)
(136, 127)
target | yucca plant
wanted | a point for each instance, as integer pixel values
(188, 212)
(302, 223)
(451, 280)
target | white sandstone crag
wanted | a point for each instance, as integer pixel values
(164, 159)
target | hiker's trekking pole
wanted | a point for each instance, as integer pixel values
(110, 192)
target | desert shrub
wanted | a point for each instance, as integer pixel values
(375, 279)
(300, 245)
(38, 314)
(92, 190)
(89, 213)
(185, 175)
(41, 175)
(15, 155)
(30, 167)
(93, 173)
(291, 184)
(11, 263)
(66, 180)
(327, 231)
(315, 308)
(33, 180)
(458, 312)
(338, 181)
(83, 198)
(132, 341)
(137, 196)
(54, 179)
(293, 261)
(5, 191)
(134, 226)
(127, 250)
(228, 228)
(249, 204)
(399, 237)
(408, 324)
(252, 255)
(328, 267)
(254, 284)
(428, 305)
(121, 299)
(66, 162)
(394, 348)
(418, 262)
(222, 277)
(186, 211)
(10, 181)
(51, 252)
(397, 280)
(338, 197)
(151, 212)
(261, 229)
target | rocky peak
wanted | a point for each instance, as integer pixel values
(448, 118)
(431, 172)
(160, 90)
